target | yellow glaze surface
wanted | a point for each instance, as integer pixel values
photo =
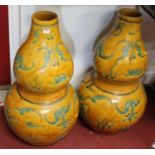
(42, 107)
(42, 63)
(121, 55)
(111, 97)
(41, 123)
(110, 108)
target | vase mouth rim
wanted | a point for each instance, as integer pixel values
(130, 15)
(44, 18)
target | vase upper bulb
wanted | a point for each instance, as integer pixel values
(121, 56)
(43, 63)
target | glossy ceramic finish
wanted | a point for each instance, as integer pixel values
(42, 107)
(41, 123)
(109, 108)
(111, 97)
(42, 63)
(121, 55)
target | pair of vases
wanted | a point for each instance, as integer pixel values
(42, 107)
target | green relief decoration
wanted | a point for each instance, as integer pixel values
(36, 37)
(89, 86)
(19, 62)
(32, 125)
(125, 54)
(105, 124)
(131, 33)
(118, 28)
(12, 121)
(128, 110)
(126, 50)
(134, 72)
(59, 52)
(139, 50)
(59, 117)
(46, 56)
(49, 36)
(81, 97)
(128, 47)
(95, 98)
(25, 110)
(100, 52)
(60, 79)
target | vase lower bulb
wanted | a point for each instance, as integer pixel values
(41, 122)
(109, 108)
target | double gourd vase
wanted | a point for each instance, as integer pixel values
(112, 98)
(41, 107)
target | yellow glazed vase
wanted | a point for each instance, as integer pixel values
(111, 97)
(42, 107)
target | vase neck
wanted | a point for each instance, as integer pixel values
(44, 27)
(125, 28)
(128, 23)
(41, 32)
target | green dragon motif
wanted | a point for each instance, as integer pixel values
(89, 87)
(36, 34)
(60, 79)
(139, 51)
(100, 52)
(49, 36)
(32, 125)
(59, 52)
(46, 56)
(24, 110)
(10, 120)
(19, 61)
(95, 98)
(128, 110)
(59, 117)
(134, 72)
(36, 37)
(105, 124)
(125, 54)
(131, 33)
(118, 28)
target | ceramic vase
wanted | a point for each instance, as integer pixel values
(112, 98)
(41, 107)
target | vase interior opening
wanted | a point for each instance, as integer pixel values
(45, 16)
(132, 13)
